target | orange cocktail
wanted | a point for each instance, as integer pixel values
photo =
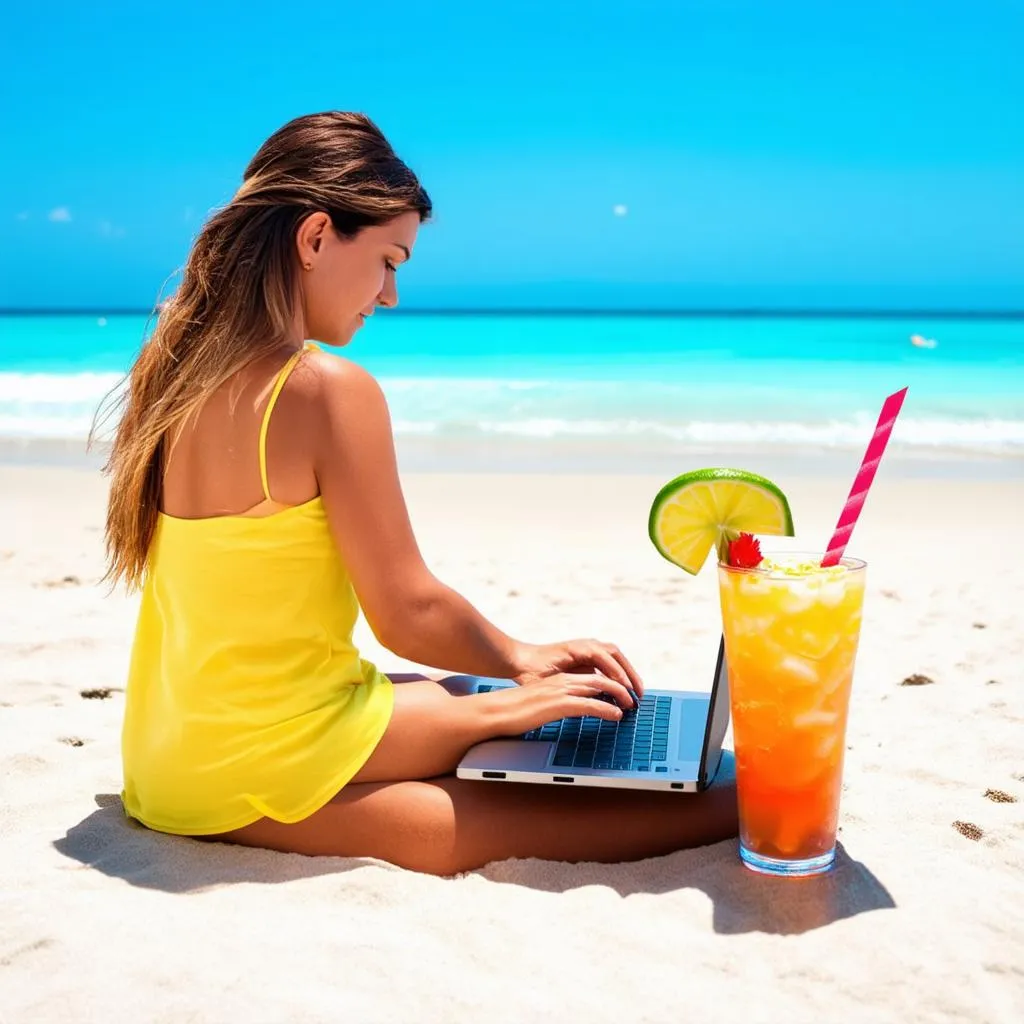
(791, 631)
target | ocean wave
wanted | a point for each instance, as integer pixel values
(52, 405)
(64, 405)
(1004, 437)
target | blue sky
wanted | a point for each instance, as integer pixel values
(771, 154)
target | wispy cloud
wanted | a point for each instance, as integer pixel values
(22, 216)
(109, 230)
(60, 215)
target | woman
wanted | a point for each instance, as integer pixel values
(254, 495)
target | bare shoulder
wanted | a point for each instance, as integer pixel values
(344, 404)
(328, 389)
(331, 380)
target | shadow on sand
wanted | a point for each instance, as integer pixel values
(742, 901)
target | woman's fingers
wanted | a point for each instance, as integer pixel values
(596, 654)
(598, 709)
(565, 695)
(595, 683)
(634, 676)
(572, 694)
(612, 662)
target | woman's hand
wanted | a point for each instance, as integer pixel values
(561, 695)
(538, 661)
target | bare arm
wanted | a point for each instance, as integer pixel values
(409, 610)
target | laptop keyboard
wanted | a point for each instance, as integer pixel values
(635, 743)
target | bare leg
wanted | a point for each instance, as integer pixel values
(405, 807)
(431, 728)
(447, 825)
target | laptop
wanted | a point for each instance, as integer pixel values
(673, 742)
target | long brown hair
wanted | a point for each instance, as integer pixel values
(235, 300)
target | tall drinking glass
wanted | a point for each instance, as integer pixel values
(791, 631)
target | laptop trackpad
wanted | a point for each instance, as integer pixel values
(509, 755)
(692, 725)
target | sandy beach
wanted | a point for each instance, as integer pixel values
(921, 920)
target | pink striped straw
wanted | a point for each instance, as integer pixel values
(862, 481)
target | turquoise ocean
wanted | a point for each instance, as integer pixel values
(806, 382)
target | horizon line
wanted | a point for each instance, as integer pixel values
(739, 312)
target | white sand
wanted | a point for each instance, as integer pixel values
(104, 921)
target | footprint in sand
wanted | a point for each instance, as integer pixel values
(999, 796)
(100, 693)
(979, 625)
(64, 581)
(969, 830)
(917, 680)
(8, 958)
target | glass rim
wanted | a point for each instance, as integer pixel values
(851, 564)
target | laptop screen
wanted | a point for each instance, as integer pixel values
(718, 721)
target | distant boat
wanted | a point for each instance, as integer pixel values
(920, 341)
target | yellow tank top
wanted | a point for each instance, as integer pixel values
(246, 696)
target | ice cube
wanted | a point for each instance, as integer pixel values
(835, 680)
(790, 835)
(832, 593)
(798, 669)
(816, 719)
(829, 745)
(753, 623)
(812, 644)
(799, 596)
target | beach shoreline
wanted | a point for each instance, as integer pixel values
(604, 456)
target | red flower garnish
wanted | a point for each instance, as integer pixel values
(745, 552)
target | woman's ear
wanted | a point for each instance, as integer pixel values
(309, 236)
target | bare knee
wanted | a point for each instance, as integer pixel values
(429, 732)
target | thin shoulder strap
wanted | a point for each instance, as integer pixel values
(278, 384)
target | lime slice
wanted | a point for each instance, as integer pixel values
(709, 507)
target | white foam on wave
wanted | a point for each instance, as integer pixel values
(52, 405)
(40, 405)
(56, 387)
(928, 433)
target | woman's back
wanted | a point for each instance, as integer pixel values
(246, 696)
(213, 467)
